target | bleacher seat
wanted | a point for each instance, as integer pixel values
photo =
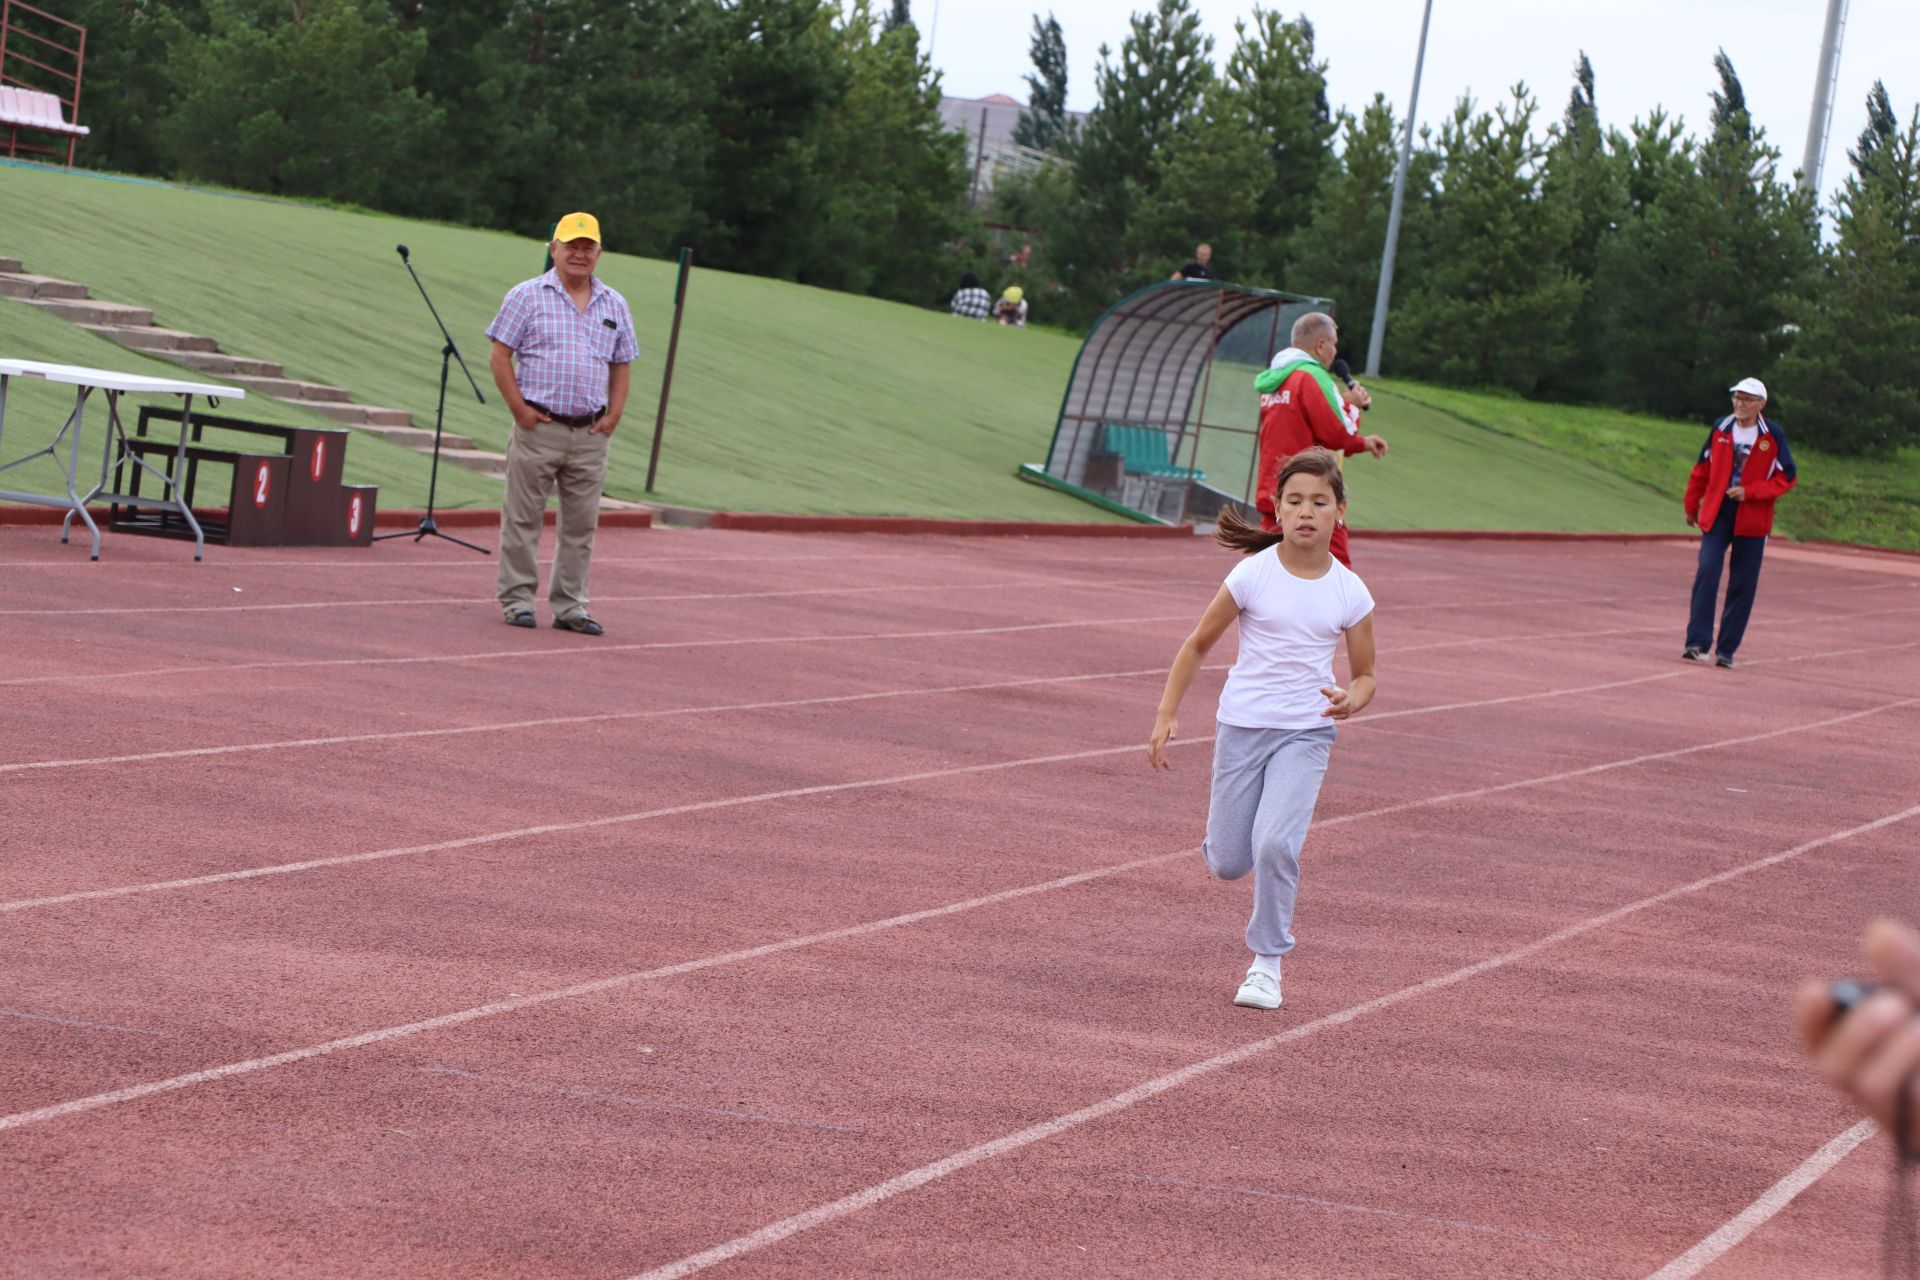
(1146, 451)
(31, 109)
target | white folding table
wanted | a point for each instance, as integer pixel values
(115, 452)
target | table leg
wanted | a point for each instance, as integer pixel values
(78, 505)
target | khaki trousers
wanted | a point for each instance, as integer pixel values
(550, 456)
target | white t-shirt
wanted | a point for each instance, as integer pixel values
(1288, 630)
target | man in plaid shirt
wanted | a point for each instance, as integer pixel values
(573, 338)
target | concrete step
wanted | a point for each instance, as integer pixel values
(12, 266)
(357, 415)
(21, 285)
(219, 362)
(486, 462)
(152, 337)
(93, 311)
(291, 388)
(417, 437)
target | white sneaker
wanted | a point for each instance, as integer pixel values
(1258, 991)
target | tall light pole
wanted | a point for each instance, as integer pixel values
(1379, 334)
(1825, 81)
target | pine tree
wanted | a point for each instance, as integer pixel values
(1337, 255)
(1276, 94)
(1584, 183)
(1146, 96)
(1045, 124)
(900, 15)
(1850, 382)
(1494, 305)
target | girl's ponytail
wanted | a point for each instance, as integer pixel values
(1233, 531)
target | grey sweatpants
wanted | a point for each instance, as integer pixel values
(1265, 782)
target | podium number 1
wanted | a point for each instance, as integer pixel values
(319, 457)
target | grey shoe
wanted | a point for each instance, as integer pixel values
(520, 618)
(1694, 655)
(580, 623)
(1724, 660)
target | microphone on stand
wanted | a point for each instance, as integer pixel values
(402, 251)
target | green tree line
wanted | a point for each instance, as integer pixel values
(792, 138)
(1645, 268)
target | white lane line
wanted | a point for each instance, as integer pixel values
(913, 1179)
(83, 1025)
(728, 802)
(585, 824)
(895, 588)
(598, 985)
(653, 1104)
(1319, 1202)
(594, 987)
(1824, 620)
(605, 717)
(575, 652)
(1771, 1201)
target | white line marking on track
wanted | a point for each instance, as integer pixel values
(898, 588)
(573, 652)
(84, 1025)
(598, 985)
(605, 717)
(728, 802)
(1771, 1201)
(913, 1179)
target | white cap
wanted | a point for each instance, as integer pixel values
(1751, 386)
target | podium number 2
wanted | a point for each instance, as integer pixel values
(260, 486)
(353, 516)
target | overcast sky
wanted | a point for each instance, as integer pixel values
(1645, 53)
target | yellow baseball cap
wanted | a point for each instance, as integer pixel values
(577, 226)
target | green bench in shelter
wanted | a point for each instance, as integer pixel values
(1146, 451)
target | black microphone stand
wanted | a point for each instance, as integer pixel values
(448, 353)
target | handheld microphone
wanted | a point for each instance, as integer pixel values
(1343, 371)
(402, 251)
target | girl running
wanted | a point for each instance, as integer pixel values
(1294, 602)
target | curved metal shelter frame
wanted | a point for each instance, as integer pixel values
(1147, 365)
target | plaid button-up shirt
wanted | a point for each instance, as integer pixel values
(564, 353)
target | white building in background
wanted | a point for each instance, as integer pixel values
(992, 154)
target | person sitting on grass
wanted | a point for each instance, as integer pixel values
(1012, 307)
(1294, 603)
(971, 301)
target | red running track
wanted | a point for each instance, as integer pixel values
(823, 919)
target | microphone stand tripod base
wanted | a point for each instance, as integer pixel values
(429, 529)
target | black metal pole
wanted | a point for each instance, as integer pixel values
(673, 347)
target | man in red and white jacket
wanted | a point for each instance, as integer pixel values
(1743, 467)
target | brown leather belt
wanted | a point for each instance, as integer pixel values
(570, 419)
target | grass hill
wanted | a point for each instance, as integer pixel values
(788, 398)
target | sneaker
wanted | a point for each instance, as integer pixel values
(1724, 660)
(1694, 655)
(1258, 992)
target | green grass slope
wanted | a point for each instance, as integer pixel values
(785, 398)
(1846, 499)
(1441, 472)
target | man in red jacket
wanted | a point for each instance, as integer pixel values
(1743, 467)
(1300, 407)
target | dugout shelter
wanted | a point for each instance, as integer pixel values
(1160, 421)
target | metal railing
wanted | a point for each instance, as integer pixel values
(45, 76)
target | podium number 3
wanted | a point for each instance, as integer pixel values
(353, 516)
